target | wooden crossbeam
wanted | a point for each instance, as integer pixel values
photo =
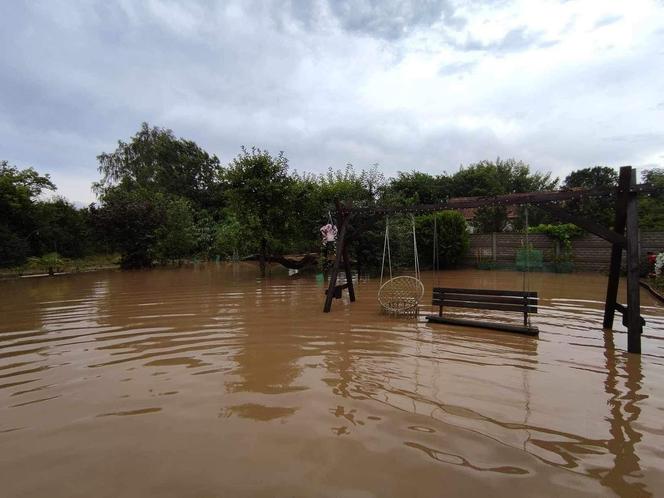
(484, 292)
(534, 198)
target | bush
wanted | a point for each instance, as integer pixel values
(51, 263)
(13, 249)
(563, 233)
(175, 239)
(452, 238)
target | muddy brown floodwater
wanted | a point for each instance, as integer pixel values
(208, 381)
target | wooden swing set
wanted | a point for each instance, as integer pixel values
(623, 236)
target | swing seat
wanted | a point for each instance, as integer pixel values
(497, 300)
(401, 295)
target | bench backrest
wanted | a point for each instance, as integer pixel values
(499, 300)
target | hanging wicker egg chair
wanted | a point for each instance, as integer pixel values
(401, 295)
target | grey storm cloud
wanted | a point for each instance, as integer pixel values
(392, 19)
(515, 40)
(409, 85)
(605, 21)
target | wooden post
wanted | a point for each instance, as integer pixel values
(634, 326)
(494, 245)
(622, 198)
(349, 275)
(344, 254)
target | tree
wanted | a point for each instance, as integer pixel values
(175, 238)
(61, 228)
(130, 218)
(19, 190)
(154, 159)
(415, 187)
(497, 178)
(229, 241)
(14, 249)
(651, 208)
(162, 183)
(452, 238)
(260, 195)
(600, 209)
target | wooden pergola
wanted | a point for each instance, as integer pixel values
(623, 237)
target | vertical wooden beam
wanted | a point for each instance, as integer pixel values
(624, 182)
(494, 246)
(634, 327)
(344, 253)
(349, 275)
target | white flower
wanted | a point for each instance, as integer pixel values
(659, 264)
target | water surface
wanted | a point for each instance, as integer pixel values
(212, 382)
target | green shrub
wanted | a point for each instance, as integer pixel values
(51, 263)
(452, 238)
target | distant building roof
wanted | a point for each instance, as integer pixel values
(469, 213)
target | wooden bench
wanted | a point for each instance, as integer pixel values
(497, 300)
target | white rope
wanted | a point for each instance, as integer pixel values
(435, 246)
(417, 257)
(526, 276)
(389, 252)
(386, 248)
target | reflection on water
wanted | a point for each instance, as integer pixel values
(207, 381)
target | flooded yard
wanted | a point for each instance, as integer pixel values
(209, 381)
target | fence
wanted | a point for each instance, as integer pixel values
(589, 252)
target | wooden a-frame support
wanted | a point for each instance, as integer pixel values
(627, 224)
(341, 257)
(624, 236)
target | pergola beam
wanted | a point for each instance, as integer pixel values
(534, 198)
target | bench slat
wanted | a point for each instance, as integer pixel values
(532, 301)
(484, 292)
(520, 308)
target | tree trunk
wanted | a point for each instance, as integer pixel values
(263, 253)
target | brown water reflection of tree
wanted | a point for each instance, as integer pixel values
(268, 350)
(624, 414)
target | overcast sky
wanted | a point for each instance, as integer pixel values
(426, 85)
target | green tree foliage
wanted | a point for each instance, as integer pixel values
(50, 262)
(229, 240)
(651, 207)
(175, 238)
(130, 218)
(163, 183)
(260, 195)
(499, 177)
(14, 249)
(563, 233)
(600, 209)
(205, 233)
(154, 159)
(452, 238)
(61, 228)
(19, 190)
(415, 187)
